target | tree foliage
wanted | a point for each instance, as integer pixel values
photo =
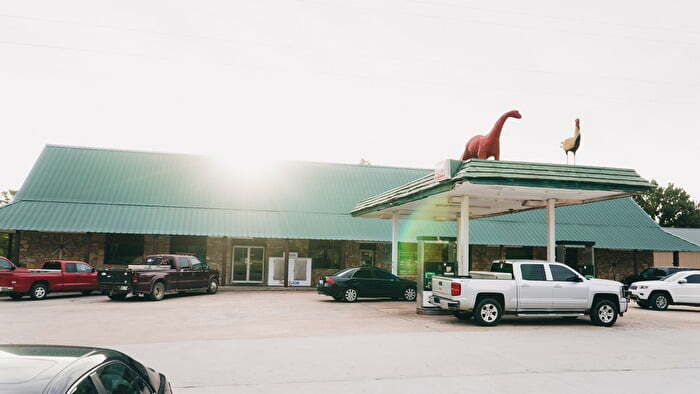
(7, 196)
(670, 206)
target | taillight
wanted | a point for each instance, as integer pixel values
(134, 278)
(330, 281)
(456, 288)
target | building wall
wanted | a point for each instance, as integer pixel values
(36, 247)
(685, 259)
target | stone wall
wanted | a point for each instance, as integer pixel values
(36, 247)
(618, 264)
(156, 244)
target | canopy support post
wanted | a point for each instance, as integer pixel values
(551, 247)
(463, 238)
(395, 244)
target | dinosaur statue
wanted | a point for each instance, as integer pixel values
(485, 146)
(572, 144)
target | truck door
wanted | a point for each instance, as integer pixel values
(184, 273)
(71, 277)
(534, 290)
(87, 278)
(570, 293)
(200, 277)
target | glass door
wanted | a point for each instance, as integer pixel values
(248, 262)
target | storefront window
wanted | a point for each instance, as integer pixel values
(325, 254)
(196, 246)
(123, 249)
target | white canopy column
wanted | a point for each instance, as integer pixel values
(463, 237)
(395, 244)
(551, 247)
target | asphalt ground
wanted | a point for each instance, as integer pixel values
(294, 342)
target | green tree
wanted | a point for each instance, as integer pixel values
(670, 206)
(7, 196)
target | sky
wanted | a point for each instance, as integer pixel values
(397, 83)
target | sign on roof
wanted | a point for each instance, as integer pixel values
(446, 169)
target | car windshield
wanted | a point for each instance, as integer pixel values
(346, 273)
(673, 276)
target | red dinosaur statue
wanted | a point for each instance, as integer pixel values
(485, 146)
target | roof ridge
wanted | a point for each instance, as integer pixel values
(204, 155)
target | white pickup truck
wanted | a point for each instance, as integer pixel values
(529, 288)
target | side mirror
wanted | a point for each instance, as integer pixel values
(12, 268)
(575, 279)
(680, 282)
(93, 269)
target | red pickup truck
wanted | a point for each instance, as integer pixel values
(54, 276)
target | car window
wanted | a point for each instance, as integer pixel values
(346, 273)
(184, 262)
(52, 265)
(560, 273)
(363, 274)
(84, 387)
(502, 266)
(196, 264)
(118, 378)
(693, 278)
(71, 267)
(5, 265)
(533, 272)
(381, 274)
(84, 268)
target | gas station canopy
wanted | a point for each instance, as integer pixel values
(500, 187)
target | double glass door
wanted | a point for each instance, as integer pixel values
(248, 264)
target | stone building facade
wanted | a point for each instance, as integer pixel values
(36, 247)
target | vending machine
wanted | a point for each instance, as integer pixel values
(436, 256)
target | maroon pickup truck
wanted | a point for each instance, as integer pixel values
(160, 275)
(54, 276)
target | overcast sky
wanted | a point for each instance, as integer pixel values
(401, 83)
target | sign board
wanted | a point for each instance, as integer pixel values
(446, 169)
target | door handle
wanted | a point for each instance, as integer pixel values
(524, 285)
(558, 286)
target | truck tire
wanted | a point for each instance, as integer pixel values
(488, 312)
(213, 286)
(660, 301)
(39, 291)
(116, 296)
(350, 295)
(158, 292)
(604, 313)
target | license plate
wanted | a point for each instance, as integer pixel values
(123, 287)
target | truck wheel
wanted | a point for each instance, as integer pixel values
(113, 295)
(660, 301)
(350, 295)
(16, 296)
(488, 312)
(158, 292)
(213, 286)
(604, 313)
(409, 294)
(39, 291)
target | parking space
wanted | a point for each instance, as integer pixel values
(296, 341)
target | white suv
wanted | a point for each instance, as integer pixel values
(681, 288)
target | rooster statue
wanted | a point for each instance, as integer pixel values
(571, 144)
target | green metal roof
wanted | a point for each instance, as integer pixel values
(107, 191)
(689, 234)
(507, 173)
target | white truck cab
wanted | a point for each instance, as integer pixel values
(681, 288)
(529, 288)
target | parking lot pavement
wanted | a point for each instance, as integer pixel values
(262, 342)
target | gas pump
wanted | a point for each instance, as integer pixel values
(426, 268)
